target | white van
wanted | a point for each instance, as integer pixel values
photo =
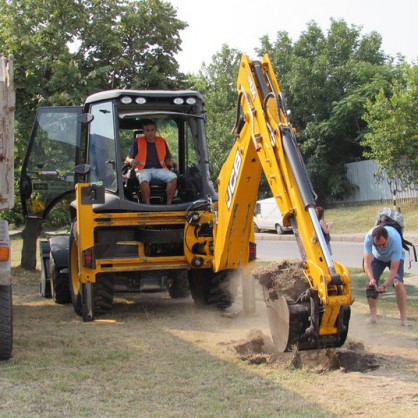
(267, 216)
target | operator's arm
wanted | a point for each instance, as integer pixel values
(130, 158)
(168, 158)
(133, 162)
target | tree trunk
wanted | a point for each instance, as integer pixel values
(30, 236)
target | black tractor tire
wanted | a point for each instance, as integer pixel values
(200, 286)
(102, 290)
(6, 322)
(60, 286)
(222, 292)
(178, 285)
(74, 283)
(102, 294)
(213, 289)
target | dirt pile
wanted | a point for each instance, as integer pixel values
(258, 348)
(352, 357)
(283, 278)
(286, 278)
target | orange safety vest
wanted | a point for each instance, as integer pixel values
(142, 151)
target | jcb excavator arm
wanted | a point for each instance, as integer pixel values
(265, 140)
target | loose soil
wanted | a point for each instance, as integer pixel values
(258, 348)
(283, 278)
(286, 278)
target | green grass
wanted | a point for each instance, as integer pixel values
(360, 218)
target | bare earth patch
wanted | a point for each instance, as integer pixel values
(353, 357)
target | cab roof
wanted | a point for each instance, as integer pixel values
(164, 94)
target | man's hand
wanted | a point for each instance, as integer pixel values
(171, 164)
(133, 162)
(372, 282)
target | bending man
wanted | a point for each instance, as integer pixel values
(383, 248)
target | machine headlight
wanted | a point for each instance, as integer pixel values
(126, 99)
(191, 101)
(178, 101)
(140, 100)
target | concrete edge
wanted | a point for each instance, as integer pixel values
(354, 237)
(268, 236)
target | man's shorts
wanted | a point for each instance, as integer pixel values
(148, 174)
(379, 266)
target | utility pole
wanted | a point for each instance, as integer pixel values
(7, 109)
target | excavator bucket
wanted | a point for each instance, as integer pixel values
(294, 325)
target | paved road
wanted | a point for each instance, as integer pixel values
(348, 254)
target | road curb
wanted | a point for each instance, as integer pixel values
(355, 237)
(268, 236)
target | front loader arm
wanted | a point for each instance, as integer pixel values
(265, 140)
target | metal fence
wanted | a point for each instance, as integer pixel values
(372, 185)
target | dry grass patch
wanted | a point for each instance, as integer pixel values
(360, 218)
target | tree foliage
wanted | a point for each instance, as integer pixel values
(67, 49)
(217, 83)
(326, 79)
(392, 118)
(131, 45)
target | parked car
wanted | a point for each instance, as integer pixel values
(268, 217)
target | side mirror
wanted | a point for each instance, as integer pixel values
(85, 118)
(82, 169)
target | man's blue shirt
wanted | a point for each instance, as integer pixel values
(393, 250)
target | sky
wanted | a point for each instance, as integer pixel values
(241, 24)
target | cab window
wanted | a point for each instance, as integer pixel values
(101, 149)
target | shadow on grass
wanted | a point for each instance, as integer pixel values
(133, 367)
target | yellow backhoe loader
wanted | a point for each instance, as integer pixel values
(197, 243)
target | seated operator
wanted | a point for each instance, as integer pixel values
(150, 157)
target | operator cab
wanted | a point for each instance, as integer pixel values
(89, 144)
(178, 136)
